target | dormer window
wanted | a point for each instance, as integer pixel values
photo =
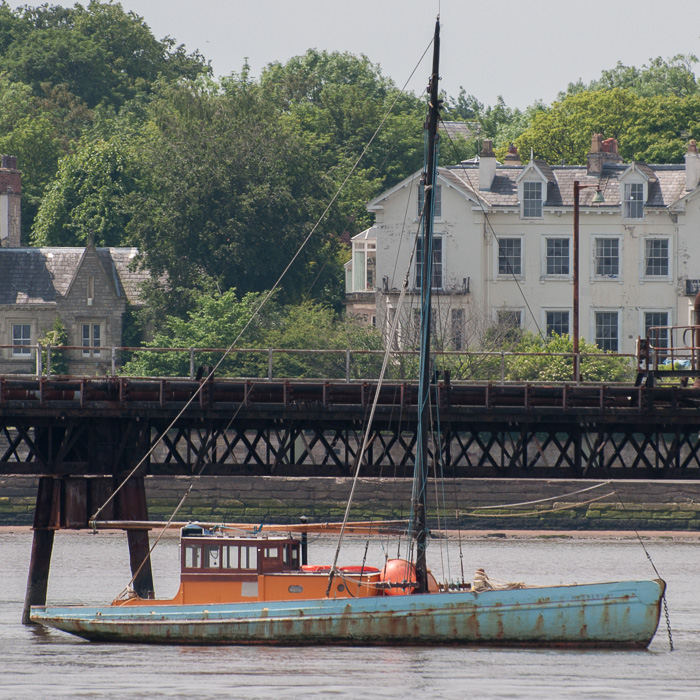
(633, 203)
(437, 203)
(532, 200)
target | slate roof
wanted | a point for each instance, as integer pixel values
(666, 184)
(42, 275)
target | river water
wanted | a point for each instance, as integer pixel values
(37, 663)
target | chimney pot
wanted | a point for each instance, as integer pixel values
(487, 165)
(692, 166)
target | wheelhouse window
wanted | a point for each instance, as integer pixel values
(532, 200)
(21, 339)
(91, 339)
(656, 257)
(557, 256)
(193, 556)
(607, 257)
(607, 330)
(557, 323)
(437, 202)
(510, 256)
(437, 263)
(634, 200)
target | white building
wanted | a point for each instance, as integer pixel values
(504, 248)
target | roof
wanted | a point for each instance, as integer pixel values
(42, 275)
(666, 184)
(367, 234)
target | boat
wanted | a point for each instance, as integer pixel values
(257, 587)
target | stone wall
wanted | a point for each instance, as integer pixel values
(622, 505)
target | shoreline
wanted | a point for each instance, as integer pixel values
(491, 534)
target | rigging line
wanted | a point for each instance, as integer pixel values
(487, 219)
(365, 440)
(646, 552)
(549, 498)
(437, 459)
(153, 546)
(565, 506)
(270, 291)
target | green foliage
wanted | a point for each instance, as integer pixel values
(556, 364)
(218, 318)
(215, 321)
(672, 77)
(100, 52)
(87, 197)
(229, 191)
(56, 336)
(649, 129)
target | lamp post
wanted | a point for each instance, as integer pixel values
(597, 199)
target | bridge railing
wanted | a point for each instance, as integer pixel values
(349, 365)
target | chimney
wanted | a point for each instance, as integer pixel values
(602, 151)
(512, 157)
(10, 200)
(692, 166)
(487, 165)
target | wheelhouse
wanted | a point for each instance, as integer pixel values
(203, 551)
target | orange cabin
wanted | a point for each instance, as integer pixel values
(217, 568)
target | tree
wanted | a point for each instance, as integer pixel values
(215, 321)
(651, 129)
(551, 360)
(55, 337)
(341, 100)
(228, 193)
(218, 318)
(101, 52)
(671, 77)
(87, 197)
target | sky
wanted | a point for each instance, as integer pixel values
(523, 51)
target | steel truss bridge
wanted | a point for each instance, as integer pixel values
(104, 427)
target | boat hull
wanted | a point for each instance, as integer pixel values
(621, 614)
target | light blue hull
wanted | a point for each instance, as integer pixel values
(623, 614)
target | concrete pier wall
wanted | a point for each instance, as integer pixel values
(621, 505)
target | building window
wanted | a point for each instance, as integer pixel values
(606, 330)
(364, 266)
(607, 257)
(557, 323)
(655, 328)
(634, 201)
(92, 339)
(656, 257)
(437, 263)
(557, 256)
(21, 339)
(90, 290)
(508, 318)
(532, 200)
(510, 256)
(437, 202)
(457, 329)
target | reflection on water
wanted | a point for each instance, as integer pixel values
(93, 569)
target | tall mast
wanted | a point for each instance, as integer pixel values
(420, 477)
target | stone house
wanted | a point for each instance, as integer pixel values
(88, 289)
(503, 248)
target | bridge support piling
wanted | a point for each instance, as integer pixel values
(132, 506)
(45, 515)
